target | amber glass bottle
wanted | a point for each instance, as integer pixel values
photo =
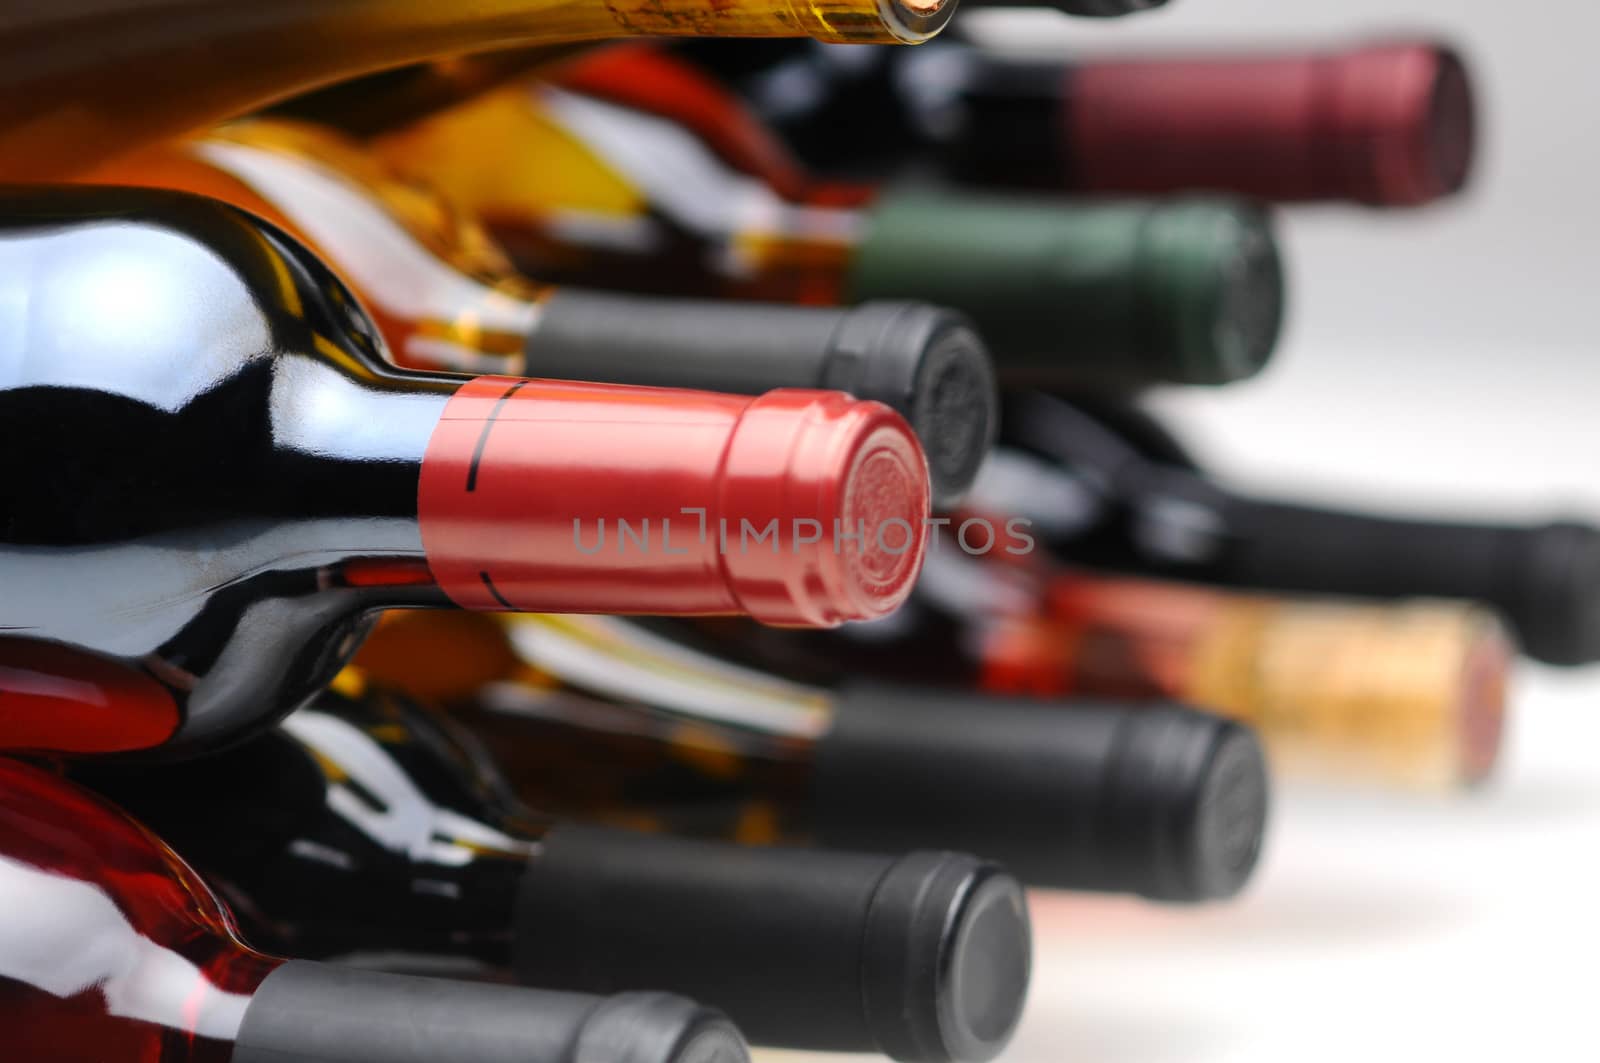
(115, 950)
(445, 297)
(596, 191)
(86, 79)
(599, 719)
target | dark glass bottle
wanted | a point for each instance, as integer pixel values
(211, 474)
(114, 950)
(1104, 498)
(445, 298)
(596, 718)
(1389, 124)
(363, 826)
(626, 189)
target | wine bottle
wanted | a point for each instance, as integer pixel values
(445, 298)
(211, 474)
(1160, 801)
(362, 828)
(1095, 499)
(91, 78)
(1407, 694)
(1388, 124)
(114, 949)
(587, 191)
(378, 102)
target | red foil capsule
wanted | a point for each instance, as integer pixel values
(1387, 125)
(799, 507)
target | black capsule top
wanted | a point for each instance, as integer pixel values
(924, 957)
(1163, 801)
(318, 1013)
(925, 362)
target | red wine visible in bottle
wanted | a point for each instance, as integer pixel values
(366, 825)
(112, 950)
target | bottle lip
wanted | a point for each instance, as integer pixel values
(654, 1027)
(1481, 703)
(955, 407)
(1199, 787)
(1407, 114)
(1212, 271)
(855, 471)
(914, 21)
(947, 958)
(1553, 600)
(988, 964)
(930, 364)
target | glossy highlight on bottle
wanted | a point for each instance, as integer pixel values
(113, 947)
(613, 189)
(445, 298)
(115, 950)
(674, 739)
(237, 478)
(101, 78)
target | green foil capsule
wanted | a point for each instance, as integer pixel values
(1119, 294)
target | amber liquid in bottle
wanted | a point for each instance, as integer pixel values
(439, 289)
(87, 79)
(585, 190)
(735, 763)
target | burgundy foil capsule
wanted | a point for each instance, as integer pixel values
(798, 507)
(1389, 124)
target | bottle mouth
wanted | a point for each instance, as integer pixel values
(947, 958)
(652, 1027)
(1408, 116)
(1214, 268)
(715, 1040)
(850, 509)
(988, 964)
(1231, 807)
(928, 363)
(1551, 595)
(955, 411)
(914, 21)
(1481, 710)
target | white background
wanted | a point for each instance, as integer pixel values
(1447, 358)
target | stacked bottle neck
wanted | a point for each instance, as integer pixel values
(358, 822)
(612, 192)
(1389, 123)
(440, 291)
(234, 463)
(1412, 693)
(673, 740)
(629, 199)
(124, 953)
(125, 80)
